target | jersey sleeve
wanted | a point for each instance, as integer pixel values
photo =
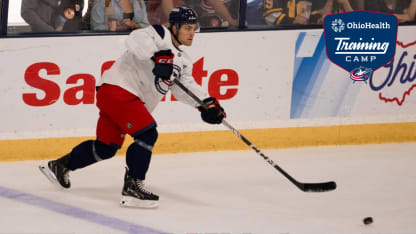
(278, 12)
(143, 43)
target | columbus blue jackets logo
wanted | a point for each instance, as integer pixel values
(360, 74)
(163, 86)
(360, 42)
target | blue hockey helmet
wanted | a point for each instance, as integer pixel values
(182, 15)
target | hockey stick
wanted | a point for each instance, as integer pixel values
(305, 187)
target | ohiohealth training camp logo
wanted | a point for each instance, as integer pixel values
(360, 41)
(338, 25)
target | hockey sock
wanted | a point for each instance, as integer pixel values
(139, 153)
(89, 152)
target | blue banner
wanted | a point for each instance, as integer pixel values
(360, 42)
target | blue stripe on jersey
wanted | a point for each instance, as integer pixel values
(159, 30)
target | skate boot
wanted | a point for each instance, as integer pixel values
(134, 194)
(57, 171)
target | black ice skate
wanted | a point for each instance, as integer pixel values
(134, 194)
(57, 172)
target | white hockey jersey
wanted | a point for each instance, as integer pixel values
(133, 70)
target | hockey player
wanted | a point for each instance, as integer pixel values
(127, 95)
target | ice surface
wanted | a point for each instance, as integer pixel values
(223, 192)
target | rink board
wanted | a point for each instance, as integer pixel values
(283, 86)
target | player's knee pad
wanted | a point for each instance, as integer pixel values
(147, 139)
(89, 152)
(102, 151)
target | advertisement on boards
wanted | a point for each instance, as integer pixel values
(322, 89)
(267, 79)
(48, 86)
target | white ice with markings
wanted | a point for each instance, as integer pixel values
(223, 192)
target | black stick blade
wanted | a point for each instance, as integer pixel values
(318, 187)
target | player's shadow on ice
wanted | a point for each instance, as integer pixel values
(97, 193)
(111, 194)
(169, 196)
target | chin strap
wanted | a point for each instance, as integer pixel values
(174, 35)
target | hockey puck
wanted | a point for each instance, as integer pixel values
(368, 220)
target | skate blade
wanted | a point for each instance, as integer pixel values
(50, 176)
(127, 201)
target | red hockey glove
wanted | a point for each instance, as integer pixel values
(163, 64)
(214, 113)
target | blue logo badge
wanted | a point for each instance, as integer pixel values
(360, 41)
